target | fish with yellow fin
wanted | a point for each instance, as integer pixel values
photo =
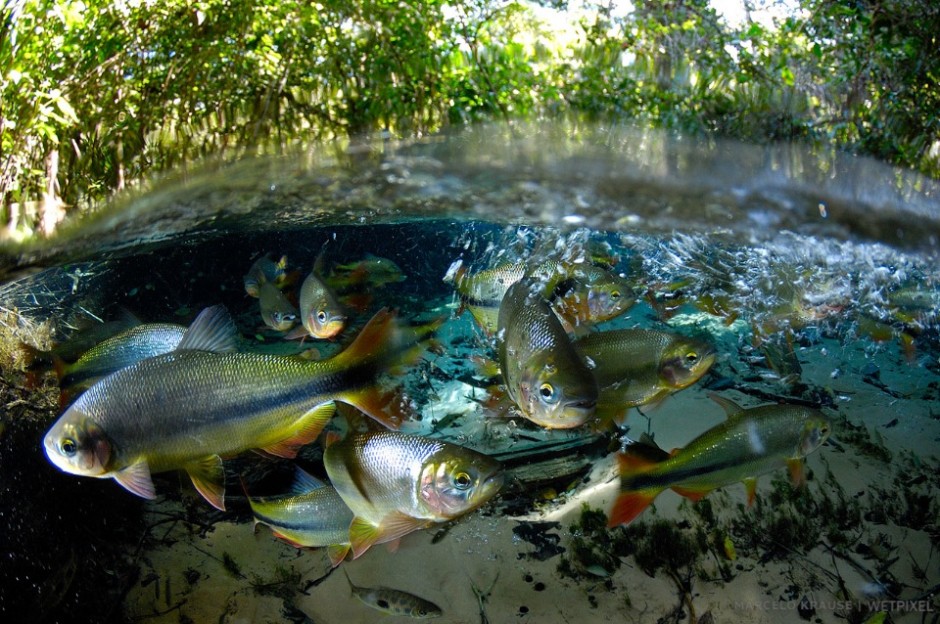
(636, 367)
(277, 311)
(321, 313)
(189, 408)
(372, 270)
(265, 269)
(311, 515)
(126, 348)
(397, 483)
(543, 373)
(579, 292)
(749, 443)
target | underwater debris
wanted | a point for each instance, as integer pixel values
(537, 533)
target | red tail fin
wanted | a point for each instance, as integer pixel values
(631, 503)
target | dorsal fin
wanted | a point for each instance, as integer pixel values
(731, 408)
(213, 330)
(304, 482)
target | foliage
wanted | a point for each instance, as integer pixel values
(97, 95)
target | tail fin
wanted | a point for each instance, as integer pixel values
(631, 503)
(383, 346)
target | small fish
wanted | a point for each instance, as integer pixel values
(544, 376)
(590, 294)
(276, 311)
(580, 293)
(749, 443)
(322, 315)
(189, 408)
(311, 515)
(397, 483)
(636, 367)
(115, 353)
(264, 270)
(371, 270)
(394, 601)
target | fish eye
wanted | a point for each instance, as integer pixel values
(692, 357)
(277, 317)
(615, 294)
(547, 391)
(68, 447)
(462, 480)
(321, 316)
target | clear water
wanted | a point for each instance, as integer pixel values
(815, 276)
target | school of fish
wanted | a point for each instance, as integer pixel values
(157, 397)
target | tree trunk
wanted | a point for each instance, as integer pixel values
(51, 208)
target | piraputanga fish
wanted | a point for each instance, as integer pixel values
(397, 483)
(636, 367)
(188, 408)
(749, 443)
(263, 270)
(276, 311)
(115, 353)
(77, 344)
(311, 515)
(544, 375)
(580, 293)
(373, 271)
(321, 313)
(394, 601)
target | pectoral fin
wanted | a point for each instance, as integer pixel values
(363, 535)
(209, 478)
(136, 478)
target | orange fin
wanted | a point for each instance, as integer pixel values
(797, 474)
(363, 535)
(310, 426)
(286, 539)
(750, 486)
(209, 478)
(337, 553)
(136, 478)
(631, 504)
(694, 495)
(387, 408)
(628, 506)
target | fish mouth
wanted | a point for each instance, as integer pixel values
(581, 405)
(491, 485)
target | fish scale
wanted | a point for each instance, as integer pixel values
(397, 483)
(132, 345)
(395, 463)
(749, 443)
(535, 352)
(188, 408)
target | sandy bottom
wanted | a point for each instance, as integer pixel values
(481, 571)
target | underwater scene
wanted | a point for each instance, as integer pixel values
(508, 376)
